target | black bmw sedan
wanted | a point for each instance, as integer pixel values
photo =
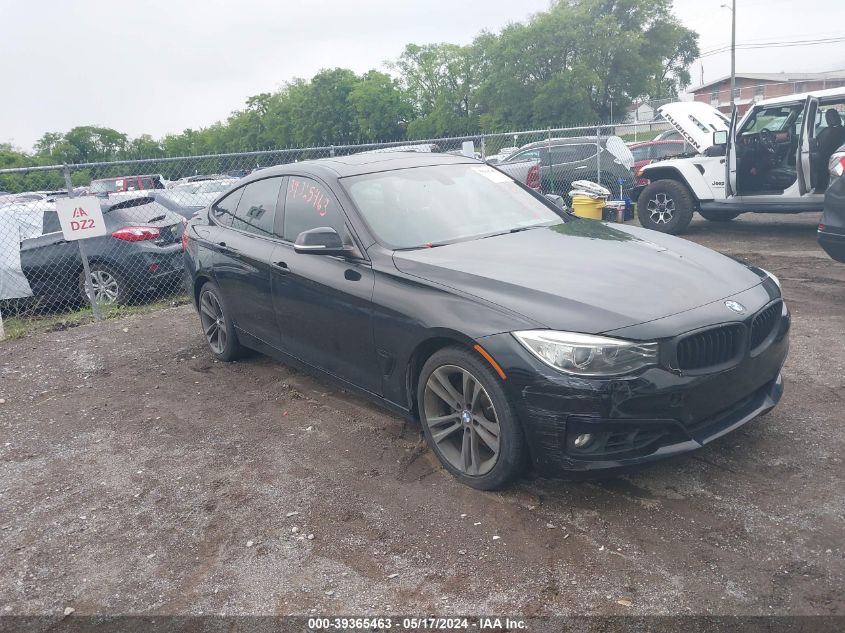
(514, 332)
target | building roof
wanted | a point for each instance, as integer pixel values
(776, 78)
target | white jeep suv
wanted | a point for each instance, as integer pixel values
(772, 161)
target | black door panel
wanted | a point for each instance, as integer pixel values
(324, 311)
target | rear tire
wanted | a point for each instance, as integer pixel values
(467, 420)
(110, 286)
(217, 326)
(719, 216)
(666, 206)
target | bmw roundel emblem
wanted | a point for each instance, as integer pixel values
(735, 306)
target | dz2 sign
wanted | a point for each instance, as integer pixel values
(80, 218)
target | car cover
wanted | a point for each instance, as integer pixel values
(18, 222)
(618, 148)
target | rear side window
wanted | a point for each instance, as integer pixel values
(309, 205)
(530, 154)
(51, 223)
(224, 211)
(256, 211)
(571, 153)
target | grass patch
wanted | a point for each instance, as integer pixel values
(19, 326)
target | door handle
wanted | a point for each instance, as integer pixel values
(282, 267)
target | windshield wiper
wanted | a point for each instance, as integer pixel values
(517, 229)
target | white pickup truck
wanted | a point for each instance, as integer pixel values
(774, 160)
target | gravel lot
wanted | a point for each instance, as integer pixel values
(137, 475)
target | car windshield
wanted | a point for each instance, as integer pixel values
(428, 206)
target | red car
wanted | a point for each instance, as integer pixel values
(646, 152)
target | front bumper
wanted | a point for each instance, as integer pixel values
(634, 420)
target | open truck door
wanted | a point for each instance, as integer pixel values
(730, 157)
(807, 146)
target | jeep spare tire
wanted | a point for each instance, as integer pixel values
(666, 206)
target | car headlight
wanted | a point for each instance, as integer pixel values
(587, 355)
(773, 278)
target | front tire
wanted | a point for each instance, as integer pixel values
(666, 206)
(468, 421)
(217, 326)
(719, 216)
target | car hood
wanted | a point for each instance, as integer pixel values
(695, 121)
(583, 276)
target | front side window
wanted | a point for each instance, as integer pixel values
(571, 153)
(256, 209)
(425, 206)
(224, 211)
(308, 205)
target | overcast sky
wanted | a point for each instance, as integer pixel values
(163, 65)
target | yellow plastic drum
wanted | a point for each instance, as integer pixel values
(585, 207)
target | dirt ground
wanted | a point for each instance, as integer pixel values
(137, 475)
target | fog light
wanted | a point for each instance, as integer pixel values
(583, 440)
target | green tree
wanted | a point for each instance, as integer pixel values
(441, 80)
(380, 106)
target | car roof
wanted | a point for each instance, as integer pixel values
(564, 140)
(355, 164)
(820, 94)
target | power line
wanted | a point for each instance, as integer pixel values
(787, 44)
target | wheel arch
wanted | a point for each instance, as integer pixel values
(199, 281)
(425, 349)
(692, 182)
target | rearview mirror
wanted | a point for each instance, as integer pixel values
(323, 240)
(720, 137)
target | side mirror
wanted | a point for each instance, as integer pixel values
(720, 137)
(323, 240)
(558, 200)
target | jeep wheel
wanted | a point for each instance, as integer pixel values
(719, 216)
(666, 206)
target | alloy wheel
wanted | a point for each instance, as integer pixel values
(213, 322)
(661, 209)
(105, 286)
(462, 420)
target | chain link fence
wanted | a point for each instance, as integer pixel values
(146, 204)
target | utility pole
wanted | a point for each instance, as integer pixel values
(733, 51)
